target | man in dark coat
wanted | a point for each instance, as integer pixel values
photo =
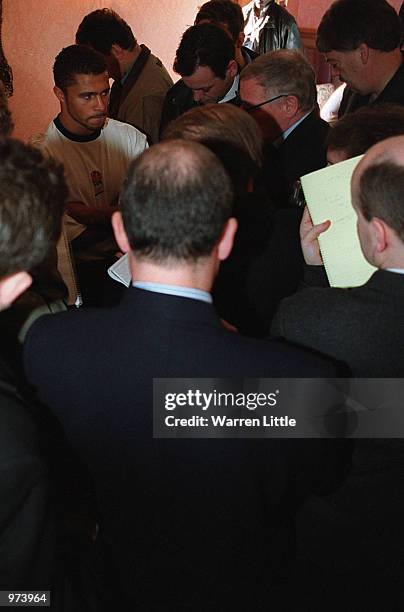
(269, 27)
(190, 524)
(278, 89)
(361, 40)
(205, 59)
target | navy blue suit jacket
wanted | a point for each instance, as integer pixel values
(192, 522)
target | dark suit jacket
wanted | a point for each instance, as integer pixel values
(27, 536)
(303, 151)
(393, 92)
(363, 326)
(187, 522)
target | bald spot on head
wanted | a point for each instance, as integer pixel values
(390, 150)
(378, 185)
(175, 201)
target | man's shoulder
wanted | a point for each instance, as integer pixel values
(304, 150)
(314, 126)
(49, 136)
(271, 357)
(124, 133)
(178, 89)
(281, 13)
(156, 70)
(328, 310)
(178, 100)
(188, 324)
(114, 126)
(394, 90)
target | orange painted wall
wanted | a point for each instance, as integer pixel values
(308, 13)
(34, 31)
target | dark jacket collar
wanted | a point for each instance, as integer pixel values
(163, 306)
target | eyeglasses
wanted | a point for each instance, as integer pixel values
(250, 107)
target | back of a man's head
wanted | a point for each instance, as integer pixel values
(230, 132)
(378, 184)
(284, 72)
(226, 13)
(356, 132)
(32, 199)
(74, 60)
(349, 23)
(175, 203)
(204, 45)
(103, 28)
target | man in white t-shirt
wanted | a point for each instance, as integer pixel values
(96, 153)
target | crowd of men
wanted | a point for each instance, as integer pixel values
(196, 186)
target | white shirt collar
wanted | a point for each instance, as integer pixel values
(396, 270)
(232, 93)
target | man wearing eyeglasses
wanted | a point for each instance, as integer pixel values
(278, 89)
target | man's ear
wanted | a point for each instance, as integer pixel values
(240, 40)
(117, 51)
(226, 241)
(12, 286)
(291, 105)
(380, 233)
(364, 53)
(59, 94)
(232, 69)
(119, 232)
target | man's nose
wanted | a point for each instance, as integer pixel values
(101, 102)
(335, 72)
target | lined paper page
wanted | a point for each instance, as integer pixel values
(328, 196)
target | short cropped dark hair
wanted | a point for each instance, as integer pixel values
(349, 23)
(381, 188)
(76, 59)
(175, 202)
(103, 28)
(356, 132)
(33, 193)
(204, 45)
(224, 12)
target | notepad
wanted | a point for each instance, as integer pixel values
(120, 271)
(328, 196)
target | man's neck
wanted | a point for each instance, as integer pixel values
(129, 59)
(261, 6)
(195, 276)
(394, 263)
(76, 129)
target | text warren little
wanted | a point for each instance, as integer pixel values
(223, 421)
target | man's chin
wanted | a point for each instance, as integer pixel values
(95, 124)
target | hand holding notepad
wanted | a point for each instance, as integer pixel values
(328, 197)
(309, 235)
